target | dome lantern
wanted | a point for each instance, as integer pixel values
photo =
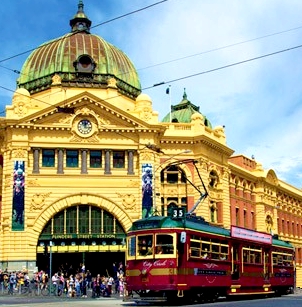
(80, 21)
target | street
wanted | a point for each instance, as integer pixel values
(293, 300)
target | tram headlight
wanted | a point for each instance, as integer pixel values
(144, 272)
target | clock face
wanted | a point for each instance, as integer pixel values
(84, 126)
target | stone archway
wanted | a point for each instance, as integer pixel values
(78, 199)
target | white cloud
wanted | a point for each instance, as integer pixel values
(258, 101)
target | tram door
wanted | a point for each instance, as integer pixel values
(235, 262)
(266, 264)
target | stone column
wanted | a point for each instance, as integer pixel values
(107, 162)
(84, 162)
(130, 162)
(36, 166)
(60, 169)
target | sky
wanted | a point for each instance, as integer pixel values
(240, 61)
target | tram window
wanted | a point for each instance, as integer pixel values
(224, 252)
(145, 245)
(164, 244)
(195, 248)
(131, 246)
(205, 246)
(252, 256)
(215, 251)
(282, 259)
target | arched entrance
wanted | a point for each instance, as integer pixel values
(81, 234)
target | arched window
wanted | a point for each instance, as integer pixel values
(213, 179)
(83, 221)
(173, 189)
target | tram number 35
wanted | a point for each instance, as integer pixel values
(178, 213)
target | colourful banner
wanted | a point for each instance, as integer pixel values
(147, 190)
(18, 196)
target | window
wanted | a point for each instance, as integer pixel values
(132, 246)
(72, 158)
(282, 259)
(252, 255)
(58, 223)
(48, 158)
(95, 159)
(118, 159)
(84, 219)
(205, 248)
(71, 220)
(96, 221)
(108, 222)
(145, 245)
(164, 244)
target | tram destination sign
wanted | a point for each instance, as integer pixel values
(146, 224)
(251, 235)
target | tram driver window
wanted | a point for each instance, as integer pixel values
(145, 245)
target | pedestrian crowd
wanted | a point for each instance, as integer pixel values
(69, 282)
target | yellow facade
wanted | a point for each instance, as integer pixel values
(37, 121)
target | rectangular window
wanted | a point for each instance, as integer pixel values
(58, 225)
(119, 159)
(71, 221)
(108, 223)
(145, 245)
(83, 220)
(96, 222)
(48, 158)
(95, 158)
(164, 244)
(72, 158)
(131, 246)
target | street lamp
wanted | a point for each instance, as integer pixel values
(50, 262)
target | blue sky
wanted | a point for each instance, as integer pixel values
(258, 101)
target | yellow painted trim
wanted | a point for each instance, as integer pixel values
(250, 293)
(133, 273)
(163, 271)
(235, 286)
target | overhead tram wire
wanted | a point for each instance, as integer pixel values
(162, 63)
(219, 48)
(151, 146)
(221, 67)
(100, 24)
(197, 74)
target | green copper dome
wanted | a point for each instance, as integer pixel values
(183, 111)
(81, 59)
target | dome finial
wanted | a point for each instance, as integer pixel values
(185, 94)
(80, 21)
(81, 6)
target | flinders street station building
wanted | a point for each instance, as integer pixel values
(84, 155)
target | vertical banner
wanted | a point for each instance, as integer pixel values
(147, 189)
(18, 196)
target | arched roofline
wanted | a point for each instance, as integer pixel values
(271, 176)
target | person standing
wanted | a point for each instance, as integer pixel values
(12, 283)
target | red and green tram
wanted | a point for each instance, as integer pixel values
(169, 258)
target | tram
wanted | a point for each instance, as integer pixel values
(170, 258)
(181, 256)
